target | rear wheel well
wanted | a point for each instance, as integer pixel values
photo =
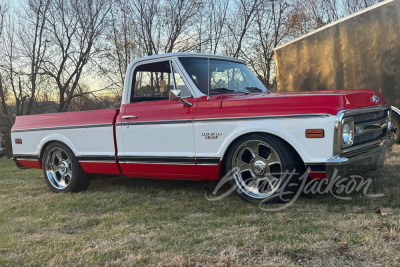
(223, 162)
(46, 145)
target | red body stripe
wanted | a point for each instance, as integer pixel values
(29, 163)
(317, 175)
(207, 172)
(178, 172)
(65, 119)
(100, 168)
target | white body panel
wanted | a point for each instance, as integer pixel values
(291, 130)
(175, 139)
(82, 141)
(172, 140)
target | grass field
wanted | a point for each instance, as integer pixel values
(123, 221)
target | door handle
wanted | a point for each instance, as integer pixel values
(129, 117)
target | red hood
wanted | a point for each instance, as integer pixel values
(327, 102)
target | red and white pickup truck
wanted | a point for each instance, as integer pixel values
(198, 116)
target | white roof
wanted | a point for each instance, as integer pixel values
(189, 54)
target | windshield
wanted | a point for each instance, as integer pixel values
(221, 76)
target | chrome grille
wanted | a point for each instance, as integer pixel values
(370, 127)
(379, 115)
(366, 138)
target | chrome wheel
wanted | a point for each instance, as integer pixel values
(58, 168)
(257, 169)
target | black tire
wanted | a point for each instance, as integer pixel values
(396, 127)
(62, 171)
(263, 167)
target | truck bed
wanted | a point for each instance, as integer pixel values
(89, 134)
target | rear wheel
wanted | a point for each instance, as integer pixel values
(62, 170)
(258, 164)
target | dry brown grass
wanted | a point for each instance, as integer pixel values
(123, 222)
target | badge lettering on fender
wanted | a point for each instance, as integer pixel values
(211, 135)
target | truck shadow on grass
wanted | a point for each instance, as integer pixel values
(384, 182)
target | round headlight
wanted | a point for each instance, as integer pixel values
(348, 132)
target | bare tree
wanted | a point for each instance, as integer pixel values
(2, 90)
(317, 13)
(217, 23)
(148, 25)
(6, 120)
(313, 14)
(34, 45)
(73, 26)
(352, 6)
(178, 16)
(271, 28)
(240, 23)
(12, 78)
(124, 46)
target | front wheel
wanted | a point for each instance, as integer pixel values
(262, 168)
(62, 170)
(395, 127)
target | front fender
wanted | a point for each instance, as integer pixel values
(290, 130)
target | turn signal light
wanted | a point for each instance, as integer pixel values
(315, 133)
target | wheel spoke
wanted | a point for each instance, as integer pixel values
(264, 185)
(68, 161)
(253, 148)
(54, 167)
(273, 158)
(243, 166)
(255, 187)
(57, 153)
(62, 180)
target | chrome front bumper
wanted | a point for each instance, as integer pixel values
(369, 160)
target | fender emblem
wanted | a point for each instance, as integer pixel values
(211, 135)
(375, 98)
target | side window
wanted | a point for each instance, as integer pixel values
(180, 84)
(152, 81)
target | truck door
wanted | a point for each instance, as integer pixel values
(157, 133)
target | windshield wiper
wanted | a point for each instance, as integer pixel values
(254, 89)
(223, 89)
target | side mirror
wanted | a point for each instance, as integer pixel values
(176, 94)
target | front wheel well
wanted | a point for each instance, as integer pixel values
(396, 125)
(223, 161)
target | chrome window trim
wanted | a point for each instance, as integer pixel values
(63, 127)
(25, 159)
(294, 116)
(169, 56)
